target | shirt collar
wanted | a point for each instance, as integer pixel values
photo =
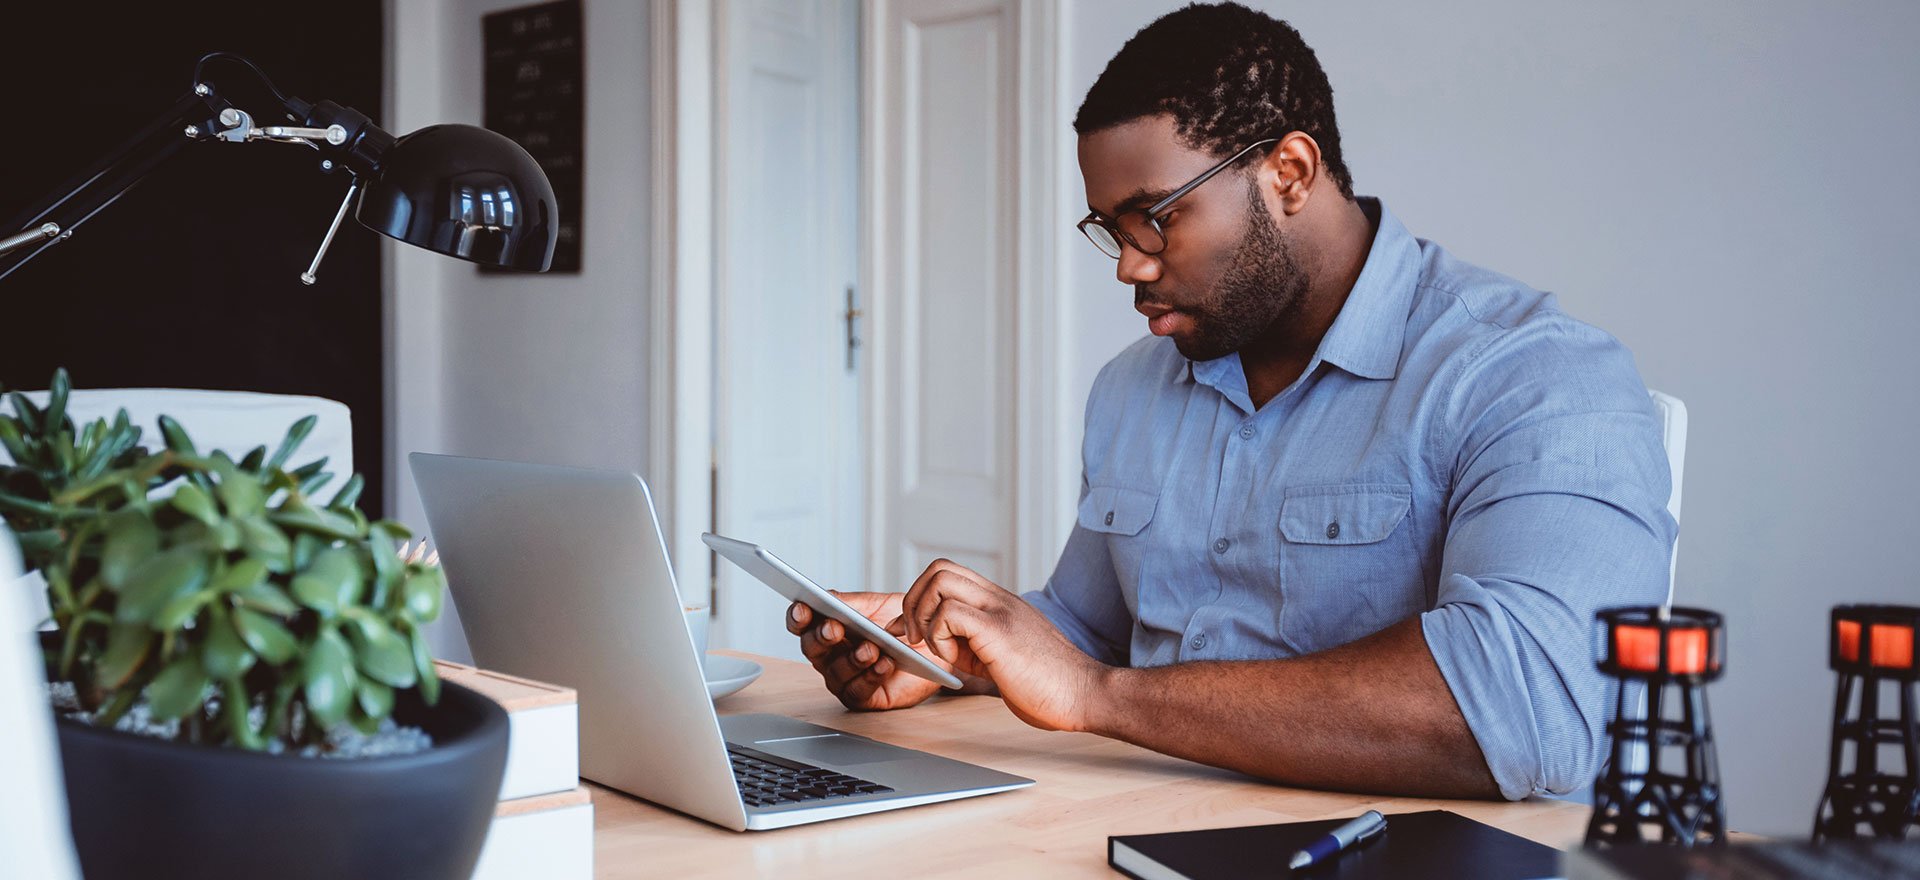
(1367, 335)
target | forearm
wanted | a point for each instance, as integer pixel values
(1374, 715)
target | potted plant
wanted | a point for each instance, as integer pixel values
(251, 631)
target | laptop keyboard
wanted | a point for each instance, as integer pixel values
(769, 781)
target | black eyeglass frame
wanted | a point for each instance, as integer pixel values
(1153, 212)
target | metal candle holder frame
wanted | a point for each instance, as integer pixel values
(1866, 801)
(1633, 790)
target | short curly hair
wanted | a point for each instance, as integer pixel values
(1228, 75)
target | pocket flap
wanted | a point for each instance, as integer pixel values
(1357, 513)
(1117, 511)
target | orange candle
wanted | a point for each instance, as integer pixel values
(1638, 648)
(1892, 644)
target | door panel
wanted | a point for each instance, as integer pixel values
(787, 420)
(946, 228)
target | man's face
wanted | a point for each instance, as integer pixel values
(1228, 272)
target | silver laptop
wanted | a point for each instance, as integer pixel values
(561, 575)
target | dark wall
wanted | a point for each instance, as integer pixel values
(192, 279)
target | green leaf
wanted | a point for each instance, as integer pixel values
(331, 581)
(329, 678)
(126, 650)
(239, 575)
(313, 484)
(295, 435)
(131, 540)
(264, 541)
(16, 444)
(57, 399)
(238, 491)
(268, 598)
(384, 655)
(324, 523)
(422, 592)
(28, 414)
(251, 464)
(224, 655)
(235, 709)
(265, 635)
(176, 436)
(349, 493)
(193, 501)
(376, 699)
(178, 689)
(423, 664)
(387, 566)
(180, 610)
(158, 581)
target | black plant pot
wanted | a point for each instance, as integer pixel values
(150, 808)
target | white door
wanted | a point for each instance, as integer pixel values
(964, 367)
(787, 424)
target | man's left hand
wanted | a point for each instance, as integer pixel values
(984, 630)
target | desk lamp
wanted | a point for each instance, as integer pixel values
(1872, 646)
(1649, 650)
(459, 190)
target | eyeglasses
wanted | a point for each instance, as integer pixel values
(1141, 227)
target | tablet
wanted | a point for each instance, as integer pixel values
(770, 570)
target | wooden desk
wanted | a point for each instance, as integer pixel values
(1088, 788)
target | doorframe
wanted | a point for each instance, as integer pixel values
(681, 449)
(680, 452)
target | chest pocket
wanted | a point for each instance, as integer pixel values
(1348, 566)
(1116, 511)
(1363, 513)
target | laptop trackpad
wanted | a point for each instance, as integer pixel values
(834, 750)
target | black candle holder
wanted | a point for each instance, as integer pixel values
(1871, 648)
(1649, 651)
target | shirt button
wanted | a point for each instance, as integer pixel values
(1333, 530)
(1246, 432)
(1221, 545)
(1198, 642)
(1109, 517)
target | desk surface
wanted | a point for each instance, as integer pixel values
(1088, 788)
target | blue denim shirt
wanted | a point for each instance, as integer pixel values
(1458, 449)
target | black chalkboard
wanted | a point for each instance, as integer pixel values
(535, 94)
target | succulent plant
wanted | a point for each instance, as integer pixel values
(212, 586)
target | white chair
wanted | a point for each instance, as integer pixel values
(235, 421)
(1673, 435)
(33, 805)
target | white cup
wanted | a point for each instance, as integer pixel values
(697, 618)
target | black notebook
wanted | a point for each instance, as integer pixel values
(1435, 844)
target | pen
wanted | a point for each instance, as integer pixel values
(1333, 842)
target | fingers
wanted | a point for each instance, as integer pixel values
(950, 623)
(944, 580)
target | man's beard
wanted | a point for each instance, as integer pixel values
(1263, 285)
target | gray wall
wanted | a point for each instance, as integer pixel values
(548, 368)
(1729, 187)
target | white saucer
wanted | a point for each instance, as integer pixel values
(726, 675)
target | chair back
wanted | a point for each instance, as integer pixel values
(33, 805)
(1673, 435)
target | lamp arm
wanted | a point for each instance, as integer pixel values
(59, 214)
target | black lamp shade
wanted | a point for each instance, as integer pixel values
(466, 192)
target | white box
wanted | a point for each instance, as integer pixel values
(543, 729)
(549, 837)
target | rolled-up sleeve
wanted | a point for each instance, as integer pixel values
(1083, 597)
(1558, 509)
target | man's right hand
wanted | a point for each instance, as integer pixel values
(856, 670)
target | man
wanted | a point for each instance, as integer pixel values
(1348, 513)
